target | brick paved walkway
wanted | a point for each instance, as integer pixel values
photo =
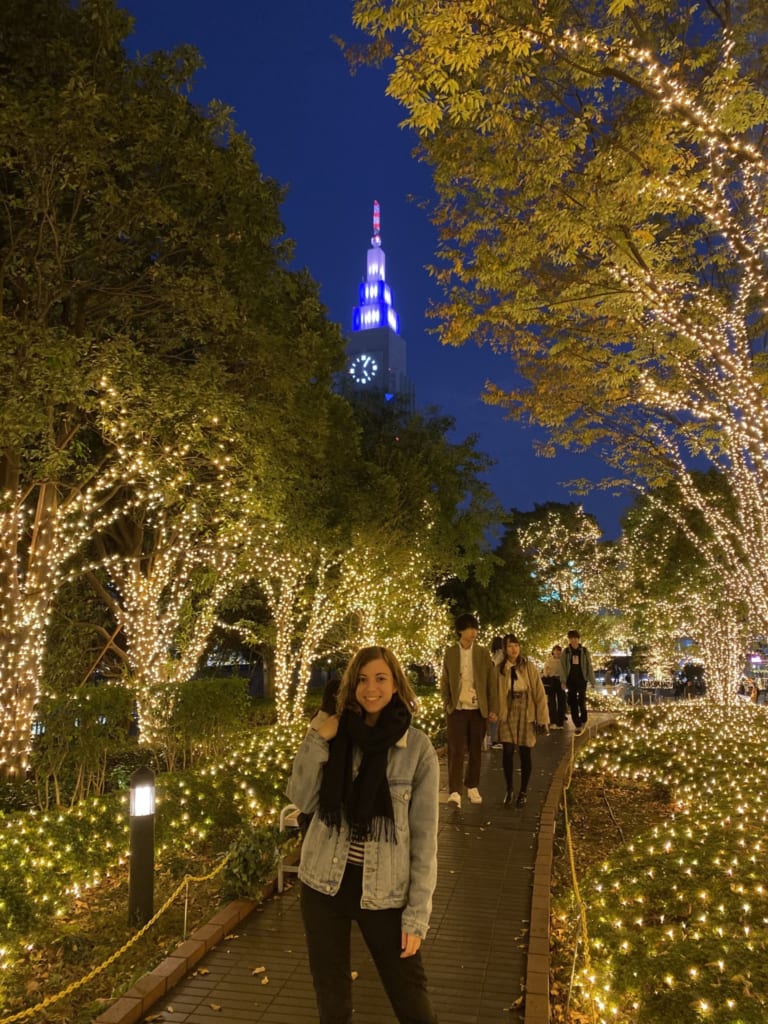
(475, 954)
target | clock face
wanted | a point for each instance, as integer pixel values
(363, 368)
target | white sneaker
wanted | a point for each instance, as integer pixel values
(474, 796)
(455, 798)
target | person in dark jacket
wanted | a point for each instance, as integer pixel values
(576, 673)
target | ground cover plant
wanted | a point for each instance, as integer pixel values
(670, 828)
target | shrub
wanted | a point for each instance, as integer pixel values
(253, 860)
(206, 714)
(78, 735)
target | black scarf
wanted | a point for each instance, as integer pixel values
(366, 801)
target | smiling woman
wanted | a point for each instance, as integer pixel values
(370, 854)
(374, 688)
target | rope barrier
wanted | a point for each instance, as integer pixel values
(581, 907)
(75, 985)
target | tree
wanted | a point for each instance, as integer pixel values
(601, 175)
(142, 282)
(551, 574)
(365, 543)
(673, 586)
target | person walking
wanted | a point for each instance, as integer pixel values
(491, 740)
(575, 673)
(370, 780)
(522, 703)
(554, 688)
(467, 685)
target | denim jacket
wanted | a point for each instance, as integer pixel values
(395, 874)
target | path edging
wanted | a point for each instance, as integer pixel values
(537, 997)
(151, 987)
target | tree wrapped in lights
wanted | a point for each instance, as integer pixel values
(674, 585)
(552, 572)
(602, 191)
(325, 602)
(140, 251)
(363, 547)
(165, 595)
(35, 543)
(387, 596)
(296, 580)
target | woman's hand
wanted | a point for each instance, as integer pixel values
(493, 717)
(409, 944)
(329, 727)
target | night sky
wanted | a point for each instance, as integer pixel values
(332, 139)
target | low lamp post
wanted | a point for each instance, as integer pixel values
(141, 885)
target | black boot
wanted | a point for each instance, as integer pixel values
(521, 800)
(508, 796)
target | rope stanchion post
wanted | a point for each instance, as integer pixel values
(186, 910)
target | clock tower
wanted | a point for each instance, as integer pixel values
(376, 351)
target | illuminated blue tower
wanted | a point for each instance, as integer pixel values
(376, 351)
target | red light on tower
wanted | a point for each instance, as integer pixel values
(376, 240)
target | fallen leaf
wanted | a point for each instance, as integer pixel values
(354, 975)
(258, 970)
(232, 935)
(265, 980)
(214, 1006)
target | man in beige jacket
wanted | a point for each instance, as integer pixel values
(469, 695)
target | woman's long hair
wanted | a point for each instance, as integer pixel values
(346, 696)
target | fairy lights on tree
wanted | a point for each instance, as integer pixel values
(677, 584)
(602, 220)
(324, 601)
(38, 533)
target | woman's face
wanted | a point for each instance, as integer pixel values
(374, 688)
(512, 650)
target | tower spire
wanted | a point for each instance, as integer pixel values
(376, 240)
(375, 308)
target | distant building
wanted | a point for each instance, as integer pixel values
(376, 351)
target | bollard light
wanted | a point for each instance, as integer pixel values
(141, 884)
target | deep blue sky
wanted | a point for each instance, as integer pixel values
(333, 140)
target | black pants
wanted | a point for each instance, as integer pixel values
(555, 699)
(508, 765)
(328, 924)
(577, 703)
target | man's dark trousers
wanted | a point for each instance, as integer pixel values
(577, 703)
(466, 729)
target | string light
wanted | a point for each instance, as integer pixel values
(697, 877)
